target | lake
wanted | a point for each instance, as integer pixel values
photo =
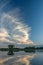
(21, 58)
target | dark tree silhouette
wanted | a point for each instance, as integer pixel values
(11, 49)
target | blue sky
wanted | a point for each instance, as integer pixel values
(29, 12)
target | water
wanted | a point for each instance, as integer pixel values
(21, 58)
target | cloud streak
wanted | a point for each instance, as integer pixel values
(3, 4)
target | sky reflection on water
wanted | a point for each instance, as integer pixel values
(21, 59)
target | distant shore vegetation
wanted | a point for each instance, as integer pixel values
(12, 48)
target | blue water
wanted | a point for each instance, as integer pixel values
(21, 58)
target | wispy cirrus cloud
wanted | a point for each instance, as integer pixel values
(3, 4)
(13, 30)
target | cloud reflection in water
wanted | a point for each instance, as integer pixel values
(17, 59)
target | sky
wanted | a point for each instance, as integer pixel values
(21, 22)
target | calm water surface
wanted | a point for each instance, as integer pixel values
(21, 58)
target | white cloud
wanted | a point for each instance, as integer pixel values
(3, 32)
(15, 29)
(3, 35)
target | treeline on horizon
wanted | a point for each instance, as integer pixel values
(26, 49)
